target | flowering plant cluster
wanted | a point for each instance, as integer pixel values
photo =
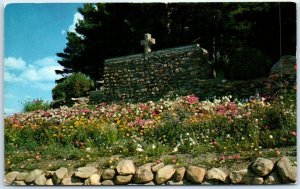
(185, 124)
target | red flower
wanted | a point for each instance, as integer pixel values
(237, 156)
(222, 157)
(192, 99)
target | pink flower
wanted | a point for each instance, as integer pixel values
(229, 157)
(237, 156)
(222, 157)
(293, 133)
(192, 99)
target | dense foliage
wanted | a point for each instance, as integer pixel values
(248, 61)
(115, 29)
(36, 104)
(76, 85)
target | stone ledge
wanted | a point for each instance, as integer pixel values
(260, 171)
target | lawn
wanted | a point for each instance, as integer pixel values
(179, 130)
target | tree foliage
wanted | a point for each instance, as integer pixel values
(116, 29)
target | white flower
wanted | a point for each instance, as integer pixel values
(139, 149)
(271, 136)
(243, 138)
(175, 149)
(153, 146)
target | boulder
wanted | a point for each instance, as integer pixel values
(85, 172)
(41, 180)
(143, 174)
(155, 168)
(71, 181)
(30, 178)
(59, 174)
(49, 182)
(19, 183)
(123, 179)
(179, 174)
(195, 174)
(10, 177)
(164, 174)
(216, 174)
(108, 174)
(273, 178)
(245, 176)
(93, 180)
(22, 176)
(107, 182)
(287, 172)
(262, 166)
(126, 167)
(285, 65)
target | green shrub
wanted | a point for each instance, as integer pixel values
(36, 104)
(247, 63)
(76, 85)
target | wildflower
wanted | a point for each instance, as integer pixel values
(229, 157)
(293, 133)
(222, 157)
(237, 156)
(270, 136)
(139, 149)
(153, 146)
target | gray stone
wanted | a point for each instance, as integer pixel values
(262, 166)
(285, 65)
(59, 174)
(179, 174)
(22, 176)
(195, 174)
(30, 178)
(171, 182)
(41, 180)
(10, 177)
(19, 183)
(108, 182)
(143, 174)
(155, 168)
(164, 174)
(216, 174)
(287, 172)
(49, 182)
(123, 179)
(93, 180)
(273, 178)
(85, 172)
(71, 181)
(245, 176)
(108, 174)
(126, 167)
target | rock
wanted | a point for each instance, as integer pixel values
(49, 182)
(155, 168)
(108, 182)
(49, 174)
(85, 172)
(171, 182)
(151, 183)
(22, 176)
(59, 174)
(179, 174)
(19, 183)
(164, 174)
(245, 176)
(10, 177)
(273, 178)
(143, 174)
(126, 167)
(286, 171)
(30, 178)
(262, 166)
(71, 181)
(123, 179)
(41, 180)
(93, 180)
(108, 174)
(216, 174)
(195, 174)
(285, 65)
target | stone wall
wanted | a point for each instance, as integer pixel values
(260, 171)
(139, 78)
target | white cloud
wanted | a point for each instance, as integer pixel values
(41, 70)
(76, 18)
(10, 96)
(13, 63)
(9, 111)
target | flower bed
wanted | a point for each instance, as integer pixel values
(181, 125)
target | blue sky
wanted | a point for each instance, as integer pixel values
(33, 34)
